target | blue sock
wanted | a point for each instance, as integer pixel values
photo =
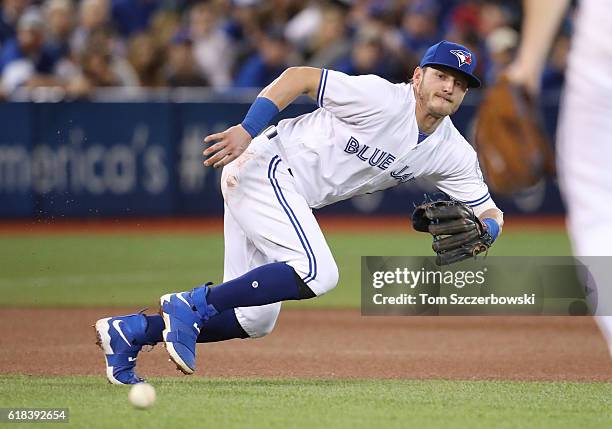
(153, 332)
(264, 285)
(221, 327)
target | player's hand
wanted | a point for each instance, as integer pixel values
(229, 145)
(521, 76)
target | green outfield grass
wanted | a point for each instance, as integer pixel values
(134, 270)
(199, 402)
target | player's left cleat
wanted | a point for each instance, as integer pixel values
(121, 339)
(184, 314)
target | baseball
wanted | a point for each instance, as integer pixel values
(142, 395)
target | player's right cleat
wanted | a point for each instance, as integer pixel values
(121, 338)
(184, 313)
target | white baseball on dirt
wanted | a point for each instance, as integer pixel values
(142, 395)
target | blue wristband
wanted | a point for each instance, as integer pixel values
(262, 111)
(492, 227)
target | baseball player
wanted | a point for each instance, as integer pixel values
(584, 134)
(367, 135)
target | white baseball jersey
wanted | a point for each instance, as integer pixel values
(364, 139)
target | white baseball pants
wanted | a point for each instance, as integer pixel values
(267, 220)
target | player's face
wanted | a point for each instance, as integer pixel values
(440, 91)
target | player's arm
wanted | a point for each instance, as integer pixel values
(294, 81)
(541, 19)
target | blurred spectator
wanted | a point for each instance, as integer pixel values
(358, 14)
(132, 16)
(267, 64)
(24, 58)
(501, 45)
(367, 55)
(240, 42)
(463, 19)
(242, 21)
(493, 15)
(93, 15)
(164, 25)
(419, 26)
(330, 43)
(147, 59)
(305, 25)
(9, 15)
(242, 28)
(211, 46)
(60, 18)
(398, 61)
(181, 69)
(96, 63)
(101, 67)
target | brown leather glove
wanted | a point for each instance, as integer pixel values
(457, 232)
(512, 146)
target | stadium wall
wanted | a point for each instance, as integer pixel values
(144, 158)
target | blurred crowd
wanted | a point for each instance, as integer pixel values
(223, 44)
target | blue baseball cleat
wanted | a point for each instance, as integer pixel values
(121, 339)
(184, 313)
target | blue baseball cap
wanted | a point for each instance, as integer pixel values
(455, 56)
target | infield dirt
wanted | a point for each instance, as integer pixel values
(330, 344)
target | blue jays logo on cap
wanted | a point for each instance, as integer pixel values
(455, 56)
(464, 57)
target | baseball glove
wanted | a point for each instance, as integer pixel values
(512, 146)
(457, 233)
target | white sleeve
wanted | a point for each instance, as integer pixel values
(356, 99)
(468, 186)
